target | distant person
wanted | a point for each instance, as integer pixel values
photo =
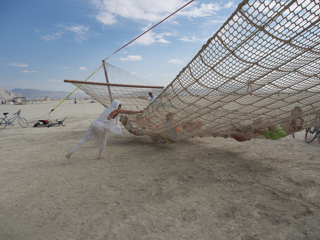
(108, 120)
(151, 97)
(159, 102)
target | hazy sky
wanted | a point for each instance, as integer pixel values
(44, 42)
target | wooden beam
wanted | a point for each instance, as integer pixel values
(107, 79)
(112, 84)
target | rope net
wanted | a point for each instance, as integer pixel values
(258, 76)
(122, 85)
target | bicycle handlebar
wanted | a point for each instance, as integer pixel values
(17, 113)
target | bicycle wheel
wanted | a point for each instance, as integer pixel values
(23, 122)
(311, 134)
(3, 123)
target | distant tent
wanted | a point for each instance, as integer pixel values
(19, 100)
(47, 99)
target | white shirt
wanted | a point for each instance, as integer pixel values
(111, 124)
(151, 99)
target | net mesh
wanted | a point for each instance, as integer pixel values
(261, 64)
(124, 86)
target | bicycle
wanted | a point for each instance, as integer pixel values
(312, 133)
(57, 123)
(9, 121)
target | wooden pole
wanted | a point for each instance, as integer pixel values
(112, 84)
(107, 79)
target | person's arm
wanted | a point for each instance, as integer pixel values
(117, 111)
(146, 98)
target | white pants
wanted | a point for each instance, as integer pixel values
(95, 131)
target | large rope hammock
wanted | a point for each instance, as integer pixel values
(261, 64)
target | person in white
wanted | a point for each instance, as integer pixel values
(108, 120)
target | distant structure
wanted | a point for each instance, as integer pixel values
(6, 95)
(19, 101)
(47, 99)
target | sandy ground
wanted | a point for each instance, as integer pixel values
(201, 188)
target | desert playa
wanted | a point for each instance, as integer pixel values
(200, 188)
